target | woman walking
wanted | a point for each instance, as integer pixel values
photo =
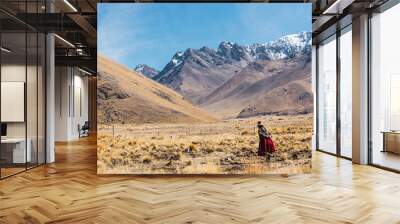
(266, 145)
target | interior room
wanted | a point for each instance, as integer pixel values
(22, 104)
(25, 67)
(72, 86)
(385, 77)
(51, 123)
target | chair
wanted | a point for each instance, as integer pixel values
(84, 130)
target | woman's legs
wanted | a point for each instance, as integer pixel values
(262, 147)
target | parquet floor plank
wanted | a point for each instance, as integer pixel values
(70, 191)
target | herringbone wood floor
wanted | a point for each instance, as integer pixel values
(69, 191)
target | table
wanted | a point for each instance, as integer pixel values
(391, 141)
(13, 150)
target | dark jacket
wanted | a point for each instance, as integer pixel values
(262, 132)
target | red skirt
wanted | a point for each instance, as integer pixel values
(270, 145)
(266, 145)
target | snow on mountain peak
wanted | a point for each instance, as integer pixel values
(139, 67)
(298, 39)
(177, 59)
(228, 52)
(146, 70)
(284, 47)
(226, 44)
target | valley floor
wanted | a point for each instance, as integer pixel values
(224, 147)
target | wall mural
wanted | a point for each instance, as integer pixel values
(204, 88)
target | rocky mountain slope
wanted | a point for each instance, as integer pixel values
(268, 87)
(235, 80)
(124, 96)
(146, 70)
(195, 73)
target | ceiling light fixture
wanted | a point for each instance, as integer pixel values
(5, 50)
(64, 40)
(337, 7)
(84, 71)
(79, 51)
(70, 5)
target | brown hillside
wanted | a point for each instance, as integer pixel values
(124, 96)
(266, 87)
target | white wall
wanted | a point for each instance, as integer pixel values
(17, 73)
(62, 81)
(12, 73)
(33, 126)
(71, 102)
(80, 104)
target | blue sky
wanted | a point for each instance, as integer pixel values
(151, 33)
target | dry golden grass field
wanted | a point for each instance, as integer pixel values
(223, 147)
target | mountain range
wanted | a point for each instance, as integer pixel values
(241, 81)
(125, 96)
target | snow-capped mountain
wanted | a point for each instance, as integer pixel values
(146, 70)
(233, 51)
(207, 75)
(285, 47)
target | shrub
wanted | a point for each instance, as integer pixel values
(192, 148)
(146, 160)
(245, 133)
